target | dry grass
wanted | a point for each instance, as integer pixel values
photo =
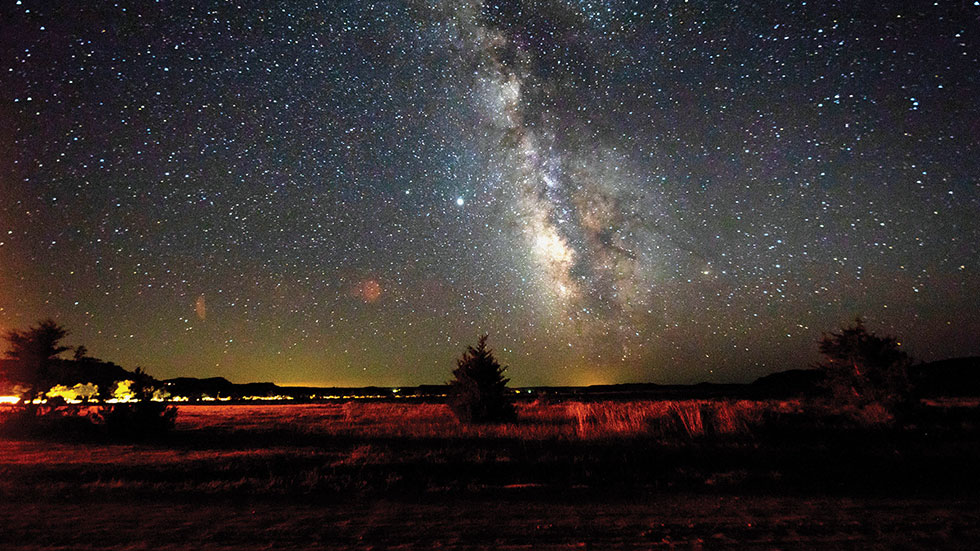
(665, 420)
(670, 420)
(337, 447)
(410, 448)
(321, 469)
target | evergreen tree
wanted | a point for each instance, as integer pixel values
(478, 393)
(36, 350)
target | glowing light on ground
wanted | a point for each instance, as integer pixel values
(123, 392)
(75, 394)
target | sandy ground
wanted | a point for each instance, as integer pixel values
(502, 522)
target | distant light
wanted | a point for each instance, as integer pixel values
(9, 399)
(459, 201)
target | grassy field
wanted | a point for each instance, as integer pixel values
(566, 475)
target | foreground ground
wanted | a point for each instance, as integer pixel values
(501, 522)
(397, 475)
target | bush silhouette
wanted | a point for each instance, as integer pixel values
(863, 369)
(478, 393)
(142, 418)
(138, 420)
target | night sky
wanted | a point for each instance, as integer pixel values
(349, 193)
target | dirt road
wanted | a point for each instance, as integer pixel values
(683, 522)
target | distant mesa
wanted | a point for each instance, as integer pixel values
(790, 383)
(956, 377)
(953, 378)
(194, 389)
(220, 389)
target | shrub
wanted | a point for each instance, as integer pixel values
(864, 369)
(138, 420)
(478, 392)
(63, 423)
(143, 418)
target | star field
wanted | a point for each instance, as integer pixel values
(349, 193)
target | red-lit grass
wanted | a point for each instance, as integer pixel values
(314, 449)
(565, 475)
(322, 450)
(664, 420)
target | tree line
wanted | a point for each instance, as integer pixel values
(861, 371)
(33, 368)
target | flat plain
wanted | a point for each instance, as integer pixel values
(566, 475)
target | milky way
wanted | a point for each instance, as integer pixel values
(349, 193)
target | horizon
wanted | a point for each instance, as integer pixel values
(672, 193)
(320, 385)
